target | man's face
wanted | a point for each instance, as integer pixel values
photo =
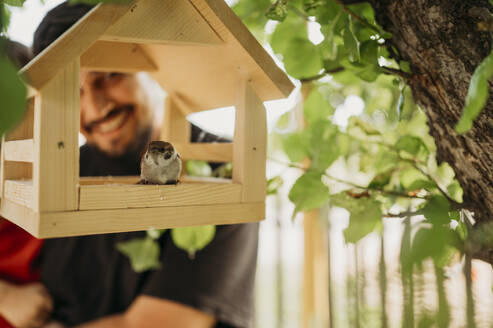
(113, 110)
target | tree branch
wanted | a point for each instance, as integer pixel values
(402, 214)
(397, 72)
(455, 204)
(321, 75)
(352, 184)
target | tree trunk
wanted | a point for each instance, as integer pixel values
(441, 41)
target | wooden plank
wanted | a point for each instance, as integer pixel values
(87, 181)
(183, 104)
(24, 130)
(230, 28)
(17, 170)
(315, 271)
(212, 152)
(175, 128)
(62, 224)
(56, 140)
(23, 216)
(110, 196)
(72, 43)
(250, 144)
(19, 191)
(19, 150)
(315, 258)
(106, 56)
(159, 21)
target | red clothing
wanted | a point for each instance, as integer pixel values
(18, 249)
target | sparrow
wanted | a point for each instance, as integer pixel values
(161, 164)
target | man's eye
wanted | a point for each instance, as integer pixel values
(114, 75)
(98, 83)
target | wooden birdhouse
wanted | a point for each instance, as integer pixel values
(205, 58)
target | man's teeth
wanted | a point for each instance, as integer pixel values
(112, 124)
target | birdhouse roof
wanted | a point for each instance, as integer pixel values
(196, 49)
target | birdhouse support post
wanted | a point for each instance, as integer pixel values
(176, 128)
(56, 150)
(250, 143)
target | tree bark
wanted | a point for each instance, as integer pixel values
(441, 41)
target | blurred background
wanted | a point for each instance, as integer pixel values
(308, 275)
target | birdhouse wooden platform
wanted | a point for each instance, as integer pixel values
(205, 58)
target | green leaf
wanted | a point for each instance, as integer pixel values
(477, 95)
(383, 160)
(310, 6)
(4, 18)
(311, 64)
(252, 13)
(461, 230)
(326, 12)
(351, 43)
(154, 233)
(455, 191)
(15, 3)
(277, 11)
(13, 94)
(324, 144)
(368, 73)
(224, 171)
(445, 174)
(422, 184)
(333, 38)
(143, 253)
(308, 192)
(316, 107)
(283, 121)
(369, 52)
(412, 179)
(414, 146)
(437, 242)
(436, 210)
(364, 126)
(405, 66)
(292, 28)
(198, 168)
(381, 180)
(273, 185)
(386, 35)
(295, 146)
(365, 215)
(193, 239)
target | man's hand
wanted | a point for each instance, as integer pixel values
(25, 306)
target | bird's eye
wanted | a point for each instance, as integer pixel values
(147, 156)
(162, 150)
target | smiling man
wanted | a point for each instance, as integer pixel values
(114, 112)
(92, 284)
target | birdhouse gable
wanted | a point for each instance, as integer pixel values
(194, 48)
